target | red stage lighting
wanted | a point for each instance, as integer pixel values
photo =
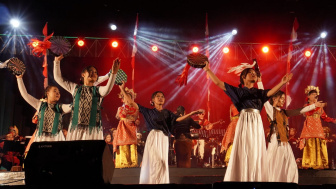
(195, 49)
(114, 44)
(155, 48)
(265, 49)
(308, 53)
(226, 50)
(35, 44)
(80, 43)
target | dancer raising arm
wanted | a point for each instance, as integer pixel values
(248, 160)
(49, 113)
(281, 161)
(159, 121)
(85, 122)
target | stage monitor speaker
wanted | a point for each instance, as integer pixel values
(87, 162)
(255, 185)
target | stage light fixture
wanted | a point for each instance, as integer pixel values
(234, 32)
(307, 53)
(113, 27)
(226, 50)
(115, 44)
(35, 44)
(265, 49)
(155, 48)
(15, 23)
(195, 49)
(323, 35)
(80, 43)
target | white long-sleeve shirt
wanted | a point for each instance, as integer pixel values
(70, 86)
(269, 108)
(34, 102)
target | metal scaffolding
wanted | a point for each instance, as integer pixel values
(101, 47)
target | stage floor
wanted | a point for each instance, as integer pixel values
(185, 176)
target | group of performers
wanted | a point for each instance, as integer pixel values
(247, 156)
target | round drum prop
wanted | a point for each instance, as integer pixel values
(197, 60)
(16, 66)
(59, 45)
(121, 76)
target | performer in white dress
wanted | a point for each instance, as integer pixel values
(248, 159)
(281, 161)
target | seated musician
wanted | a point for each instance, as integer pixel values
(9, 158)
(200, 143)
(183, 143)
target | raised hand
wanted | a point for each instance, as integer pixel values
(59, 58)
(206, 67)
(116, 65)
(320, 104)
(122, 86)
(287, 78)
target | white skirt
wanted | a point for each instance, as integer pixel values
(281, 162)
(58, 137)
(85, 134)
(248, 159)
(154, 168)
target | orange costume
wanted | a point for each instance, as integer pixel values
(125, 140)
(230, 133)
(312, 140)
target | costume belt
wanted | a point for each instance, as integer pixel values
(250, 110)
(235, 117)
(315, 115)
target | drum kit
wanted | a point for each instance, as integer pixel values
(212, 156)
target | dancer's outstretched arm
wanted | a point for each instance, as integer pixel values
(105, 90)
(213, 77)
(67, 85)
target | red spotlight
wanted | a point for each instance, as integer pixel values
(154, 48)
(115, 44)
(80, 43)
(35, 44)
(195, 49)
(265, 49)
(308, 53)
(226, 50)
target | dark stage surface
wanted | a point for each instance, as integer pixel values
(194, 178)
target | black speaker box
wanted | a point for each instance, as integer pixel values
(255, 185)
(88, 162)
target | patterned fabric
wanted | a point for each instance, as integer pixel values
(48, 119)
(85, 106)
(126, 130)
(230, 132)
(312, 127)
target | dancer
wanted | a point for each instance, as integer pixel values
(49, 124)
(312, 139)
(229, 134)
(85, 122)
(281, 161)
(154, 168)
(125, 140)
(248, 160)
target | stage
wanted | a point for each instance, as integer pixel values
(200, 177)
